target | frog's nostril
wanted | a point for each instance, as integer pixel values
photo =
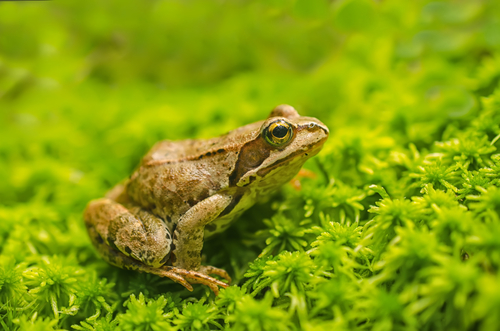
(312, 125)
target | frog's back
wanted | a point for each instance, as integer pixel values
(167, 151)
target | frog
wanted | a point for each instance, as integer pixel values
(184, 192)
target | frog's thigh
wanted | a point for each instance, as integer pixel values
(188, 235)
(134, 232)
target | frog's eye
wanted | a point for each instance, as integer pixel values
(278, 133)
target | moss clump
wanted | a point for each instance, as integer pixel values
(395, 226)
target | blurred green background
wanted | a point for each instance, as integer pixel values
(86, 88)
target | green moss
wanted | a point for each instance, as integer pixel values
(395, 225)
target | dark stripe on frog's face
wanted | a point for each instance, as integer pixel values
(252, 154)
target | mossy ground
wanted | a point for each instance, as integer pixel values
(396, 227)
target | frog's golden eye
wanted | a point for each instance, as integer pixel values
(278, 133)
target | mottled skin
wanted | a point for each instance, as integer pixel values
(185, 191)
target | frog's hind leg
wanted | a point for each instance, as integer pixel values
(117, 258)
(178, 275)
(133, 239)
(132, 231)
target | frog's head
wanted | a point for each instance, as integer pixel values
(285, 141)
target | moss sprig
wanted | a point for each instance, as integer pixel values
(146, 314)
(53, 283)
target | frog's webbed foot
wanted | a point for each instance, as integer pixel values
(185, 277)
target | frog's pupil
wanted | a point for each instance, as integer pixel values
(280, 131)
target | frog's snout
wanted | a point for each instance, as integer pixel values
(313, 126)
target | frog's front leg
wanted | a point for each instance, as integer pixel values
(188, 236)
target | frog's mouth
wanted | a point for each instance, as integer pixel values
(299, 157)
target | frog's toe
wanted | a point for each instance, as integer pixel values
(210, 284)
(179, 280)
(196, 277)
(209, 270)
(172, 274)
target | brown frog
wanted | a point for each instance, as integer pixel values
(186, 191)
